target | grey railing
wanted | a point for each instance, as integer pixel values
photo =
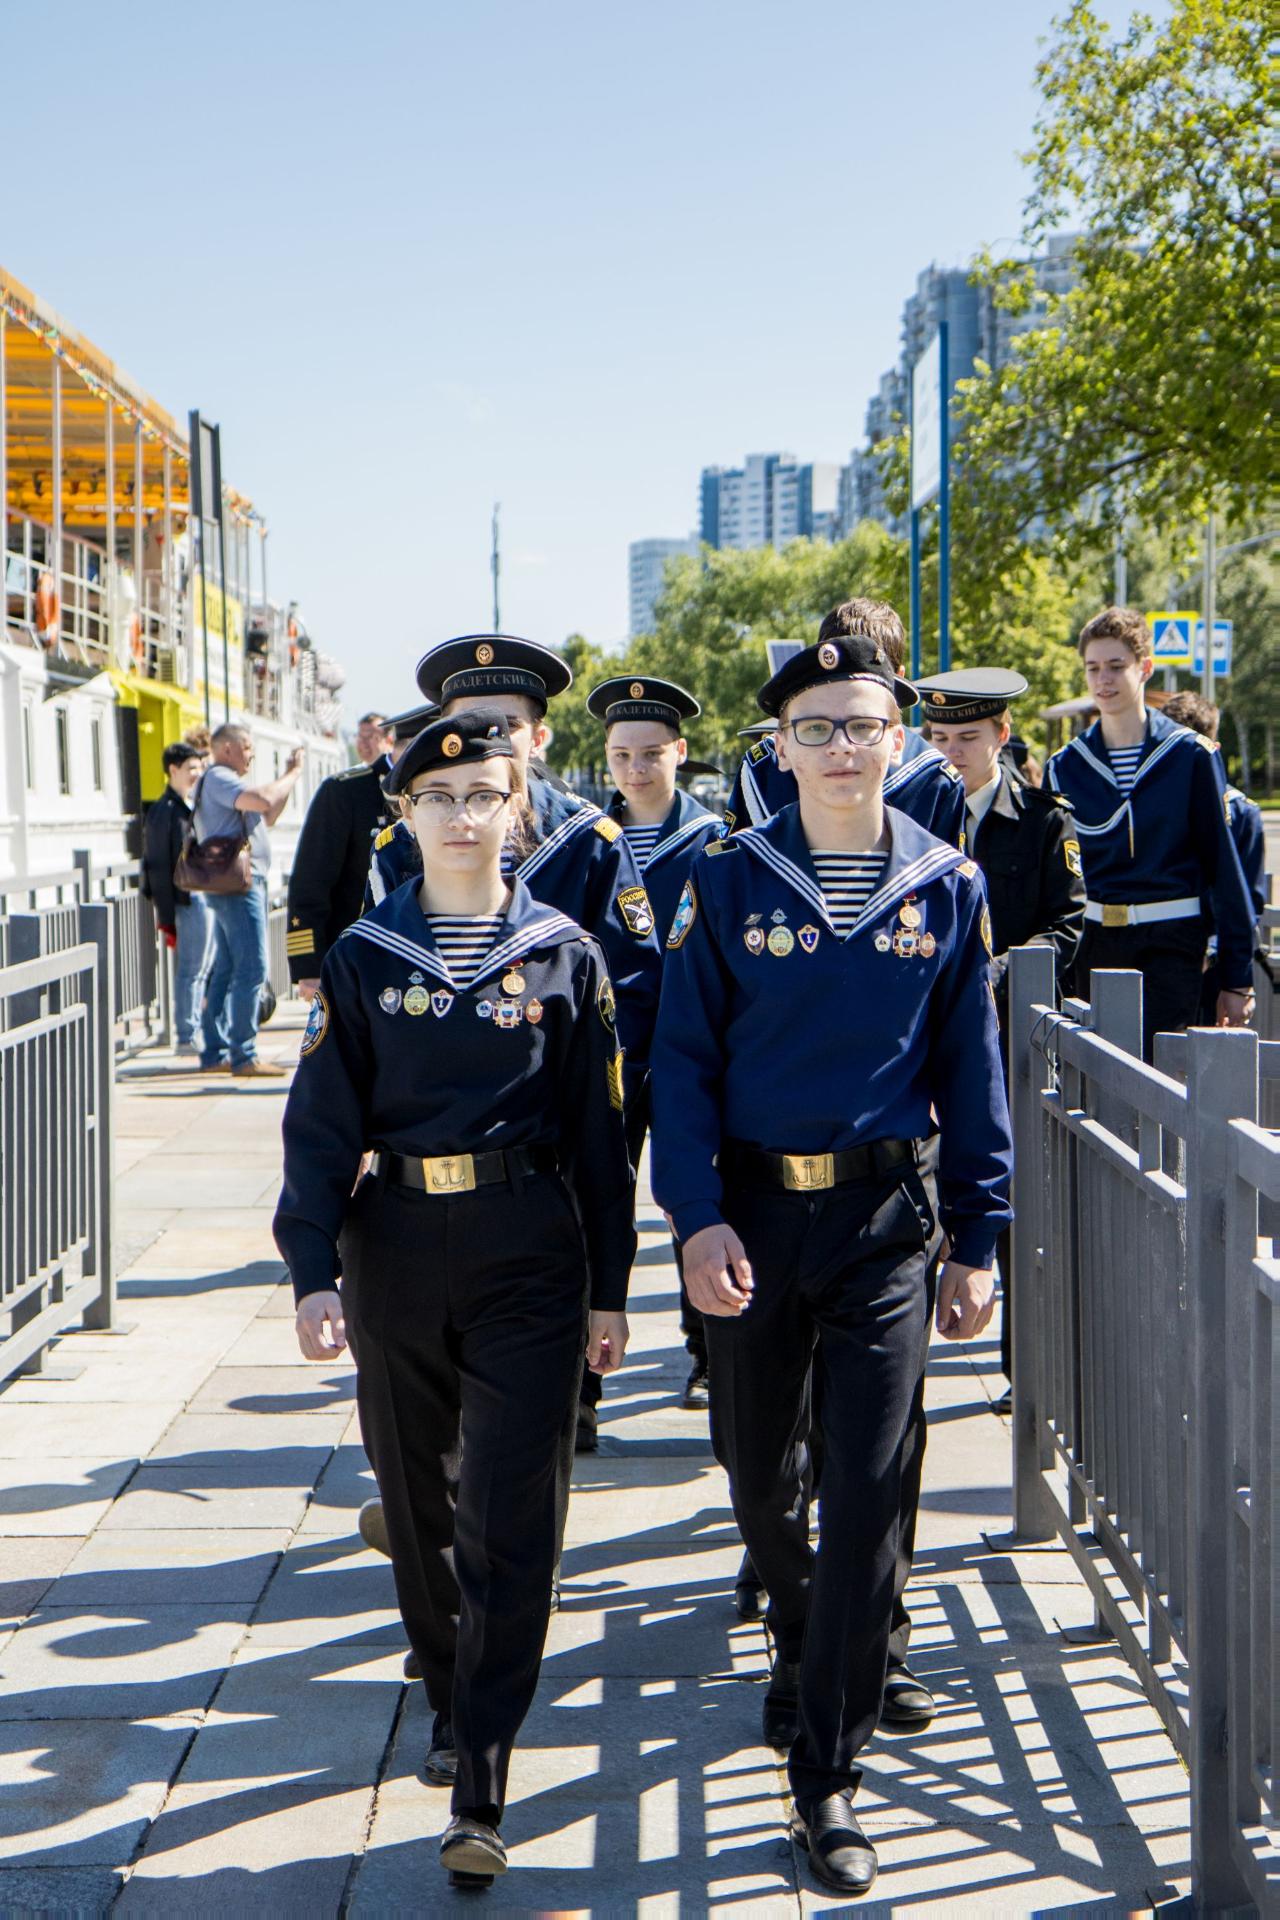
(1145, 1436)
(56, 1089)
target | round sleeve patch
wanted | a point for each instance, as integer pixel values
(685, 915)
(317, 1025)
(984, 928)
(606, 1005)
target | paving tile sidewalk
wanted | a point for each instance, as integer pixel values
(201, 1707)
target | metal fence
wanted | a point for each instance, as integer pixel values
(56, 1145)
(38, 916)
(1144, 1335)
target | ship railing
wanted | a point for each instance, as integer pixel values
(56, 1142)
(1145, 1290)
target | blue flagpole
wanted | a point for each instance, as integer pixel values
(944, 505)
(915, 593)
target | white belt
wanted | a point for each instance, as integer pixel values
(1110, 913)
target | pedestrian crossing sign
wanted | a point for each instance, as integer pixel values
(1171, 637)
(1177, 640)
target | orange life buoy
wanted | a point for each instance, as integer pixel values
(48, 609)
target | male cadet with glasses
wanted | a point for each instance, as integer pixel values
(664, 827)
(1149, 800)
(1023, 839)
(923, 785)
(919, 783)
(331, 864)
(827, 992)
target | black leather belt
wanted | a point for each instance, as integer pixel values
(449, 1173)
(814, 1172)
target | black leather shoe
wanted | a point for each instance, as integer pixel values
(697, 1394)
(780, 1719)
(411, 1669)
(587, 1438)
(473, 1851)
(1004, 1405)
(839, 1851)
(907, 1701)
(555, 1596)
(441, 1764)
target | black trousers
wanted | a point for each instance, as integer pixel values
(1169, 954)
(848, 1269)
(466, 1323)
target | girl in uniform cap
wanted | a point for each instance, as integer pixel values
(464, 1033)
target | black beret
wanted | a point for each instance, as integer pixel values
(480, 734)
(492, 663)
(852, 658)
(403, 726)
(971, 693)
(639, 696)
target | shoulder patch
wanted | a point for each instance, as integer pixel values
(945, 766)
(608, 829)
(384, 838)
(685, 915)
(633, 905)
(718, 846)
(1071, 854)
(1210, 746)
(968, 868)
(317, 1025)
(351, 773)
(759, 752)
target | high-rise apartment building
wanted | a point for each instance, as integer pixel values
(646, 576)
(976, 330)
(770, 499)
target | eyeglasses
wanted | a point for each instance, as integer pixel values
(816, 730)
(479, 808)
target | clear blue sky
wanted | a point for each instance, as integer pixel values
(416, 257)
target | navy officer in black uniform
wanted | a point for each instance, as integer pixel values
(920, 783)
(1149, 800)
(1024, 840)
(464, 1032)
(644, 720)
(331, 862)
(826, 992)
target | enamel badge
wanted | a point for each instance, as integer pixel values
(389, 999)
(781, 941)
(882, 942)
(417, 1000)
(533, 1012)
(507, 1014)
(808, 938)
(754, 937)
(441, 1003)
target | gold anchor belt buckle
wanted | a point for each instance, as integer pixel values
(808, 1172)
(450, 1173)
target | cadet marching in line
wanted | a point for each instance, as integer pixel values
(825, 1086)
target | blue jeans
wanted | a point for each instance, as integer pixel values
(191, 965)
(235, 980)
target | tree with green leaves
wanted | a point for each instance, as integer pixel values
(1143, 393)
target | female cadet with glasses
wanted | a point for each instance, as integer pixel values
(464, 1033)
